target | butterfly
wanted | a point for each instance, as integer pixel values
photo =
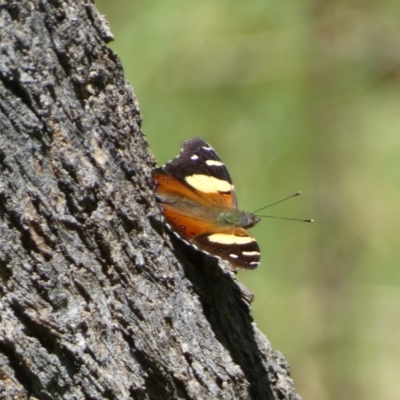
(197, 200)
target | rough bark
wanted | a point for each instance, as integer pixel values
(97, 301)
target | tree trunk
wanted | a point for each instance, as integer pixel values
(97, 301)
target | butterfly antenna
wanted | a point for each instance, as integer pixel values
(289, 219)
(280, 201)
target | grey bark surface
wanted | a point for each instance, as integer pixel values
(96, 299)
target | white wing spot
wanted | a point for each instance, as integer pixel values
(207, 148)
(208, 184)
(214, 163)
(194, 157)
(225, 238)
(233, 256)
(254, 263)
(250, 253)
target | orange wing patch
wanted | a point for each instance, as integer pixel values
(188, 227)
(169, 188)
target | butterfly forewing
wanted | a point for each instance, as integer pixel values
(197, 157)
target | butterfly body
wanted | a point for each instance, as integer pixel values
(198, 202)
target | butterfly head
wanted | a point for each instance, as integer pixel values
(237, 218)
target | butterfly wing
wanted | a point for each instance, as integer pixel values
(199, 168)
(234, 245)
(186, 211)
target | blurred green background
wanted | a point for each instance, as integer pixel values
(301, 95)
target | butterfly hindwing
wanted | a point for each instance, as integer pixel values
(235, 246)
